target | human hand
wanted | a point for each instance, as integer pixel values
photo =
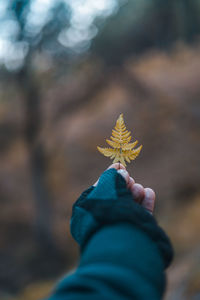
(144, 196)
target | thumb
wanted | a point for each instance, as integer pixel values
(109, 183)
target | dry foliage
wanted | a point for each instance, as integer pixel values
(122, 150)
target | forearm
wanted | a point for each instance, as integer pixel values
(126, 261)
(119, 262)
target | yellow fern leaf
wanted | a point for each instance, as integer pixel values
(113, 144)
(129, 146)
(108, 151)
(121, 150)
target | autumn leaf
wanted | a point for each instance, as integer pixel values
(121, 150)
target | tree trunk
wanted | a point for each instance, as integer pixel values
(33, 120)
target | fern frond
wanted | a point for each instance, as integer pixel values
(108, 152)
(122, 150)
(113, 144)
(129, 146)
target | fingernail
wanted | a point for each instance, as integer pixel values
(124, 173)
(95, 184)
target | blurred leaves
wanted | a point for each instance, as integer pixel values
(135, 27)
(142, 25)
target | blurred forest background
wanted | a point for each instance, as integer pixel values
(68, 69)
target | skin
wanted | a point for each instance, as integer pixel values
(144, 196)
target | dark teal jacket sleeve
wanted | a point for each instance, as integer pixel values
(124, 253)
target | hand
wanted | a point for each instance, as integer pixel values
(144, 196)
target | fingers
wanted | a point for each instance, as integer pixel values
(137, 191)
(149, 199)
(144, 196)
(131, 182)
(122, 171)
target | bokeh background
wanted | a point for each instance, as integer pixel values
(68, 69)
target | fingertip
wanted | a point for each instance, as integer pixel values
(149, 199)
(150, 192)
(117, 166)
(124, 174)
